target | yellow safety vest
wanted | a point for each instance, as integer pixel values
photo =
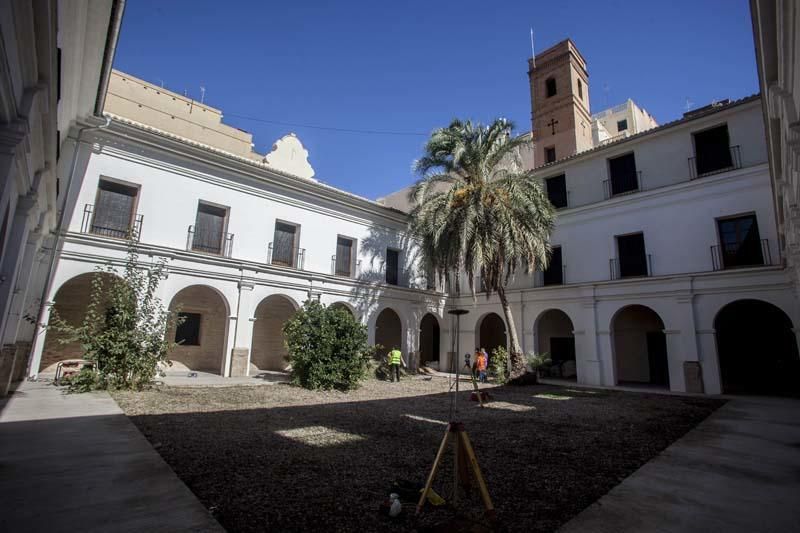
(395, 358)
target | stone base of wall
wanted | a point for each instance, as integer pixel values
(240, 360)
(7, 356)
(693, 375)
(21, 361)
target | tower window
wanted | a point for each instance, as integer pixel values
(550, 87)
(580, 89)
(622, 125)
(550, 154)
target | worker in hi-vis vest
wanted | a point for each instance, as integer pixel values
(395, 359)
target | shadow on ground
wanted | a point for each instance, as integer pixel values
(259, 461)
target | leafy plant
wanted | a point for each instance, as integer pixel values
(498, 364)
(123, 331)
(327, 348)
(538, 361)
(477, 211)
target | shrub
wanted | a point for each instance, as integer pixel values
(327, 348)
(123, 331)
(538, 361)
(498, 364)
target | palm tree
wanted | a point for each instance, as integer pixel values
(477, 212)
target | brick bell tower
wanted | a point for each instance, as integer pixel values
(560, 116)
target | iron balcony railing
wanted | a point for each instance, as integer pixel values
(741, 255)
(641, 267)
(706, 165)
(285, 256)
(209, 242)
(542, 280)
(108, 228)
(337, 270)
(628, 183)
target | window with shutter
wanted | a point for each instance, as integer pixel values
(283, 244)
(209, 229)
(113, 210)
(344, 256)
(392, 266)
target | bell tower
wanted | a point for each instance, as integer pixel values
(560, 116)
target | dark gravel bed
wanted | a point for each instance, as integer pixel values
(279, 458)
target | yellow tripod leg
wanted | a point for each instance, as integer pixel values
(435, 467)
(487, 500)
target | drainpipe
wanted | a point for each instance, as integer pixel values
(117, 10)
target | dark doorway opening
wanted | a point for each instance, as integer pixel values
(757, 349)
(428, 340)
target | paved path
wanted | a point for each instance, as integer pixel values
(738, 471)
(76, 463)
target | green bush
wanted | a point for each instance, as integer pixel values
(538, 361)
(327, 348)
(123, 330)
(498, 364)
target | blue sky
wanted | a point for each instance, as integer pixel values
(409, 67)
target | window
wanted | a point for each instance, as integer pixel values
(622, 125)
(209, 228)
(114, 209)
(392, 266)
(550, 87)
(550, 154)
(188, 331)
(554, 274)
(622, 175)
(580, 90)
(344, 256)
(712, 151)
(557, 191)
(740, 244)
(632, 257)
(284, 250)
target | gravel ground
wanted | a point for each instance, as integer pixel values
(280, 458)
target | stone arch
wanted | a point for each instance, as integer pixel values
(553, 329)
(388, 331)
(490, 333)
(207, 314)
(756, 349)
(640, 346)
(269, 350)
(70, 303)
(429, 340)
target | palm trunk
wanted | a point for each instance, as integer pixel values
(515, 358)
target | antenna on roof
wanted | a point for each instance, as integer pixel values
(533, 51)
(689, 104)
(162, 82)
(202, 94)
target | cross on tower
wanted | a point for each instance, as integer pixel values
(552, 124)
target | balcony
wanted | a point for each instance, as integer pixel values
(209, 242)
(631, 267)
(345, 268)
(741, 255)
(111, 226)
(627, 183)
(286, 256)
(715, 162)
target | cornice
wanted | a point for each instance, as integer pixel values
(166, 142)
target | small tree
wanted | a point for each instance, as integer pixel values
(327, 348)
(498, 364)
(123, 331)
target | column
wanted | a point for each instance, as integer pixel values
(38, 340)
(685, 369)
(10, 268)
(587, 358)
(707, 345)
(242, 335)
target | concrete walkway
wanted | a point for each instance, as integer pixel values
(76, 463)
(738, 471)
